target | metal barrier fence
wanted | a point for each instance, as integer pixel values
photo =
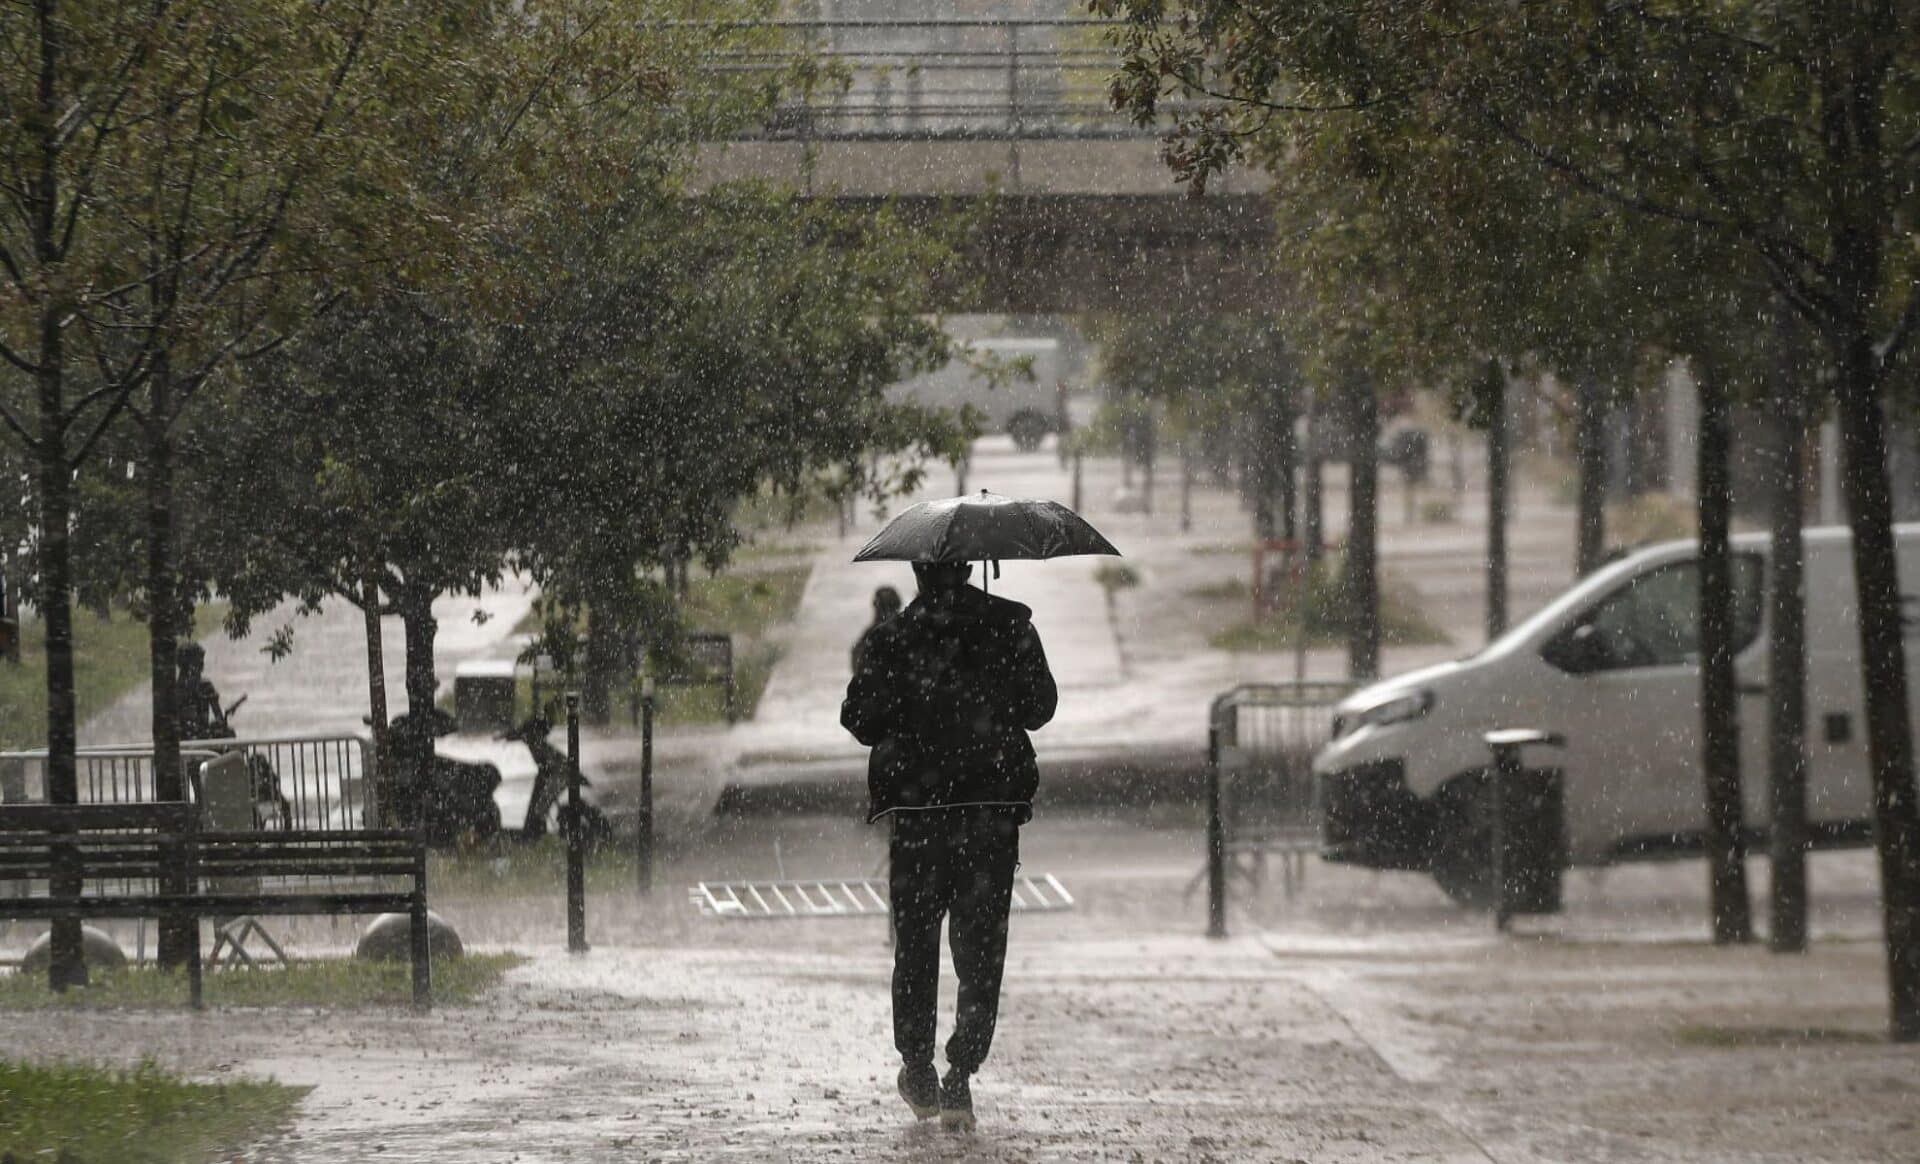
(1261, 739)
(304, 782)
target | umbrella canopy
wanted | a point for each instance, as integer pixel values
(985, 527)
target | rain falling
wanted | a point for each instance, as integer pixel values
(1227, 580)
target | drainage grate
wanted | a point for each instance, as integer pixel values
(856, 897)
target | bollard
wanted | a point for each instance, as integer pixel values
(1076, 482)
(1505, 773)
(1216, 840)
(643, 840)
(576, 835)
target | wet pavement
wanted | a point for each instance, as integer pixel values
(1362, 1019)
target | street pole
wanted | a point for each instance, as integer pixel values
(1216, 839)
(576, 836)
(1076, 481)
(643, 842)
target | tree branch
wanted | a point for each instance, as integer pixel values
(19, 430)
(99, 430)
(17, 360)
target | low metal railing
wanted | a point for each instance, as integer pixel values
(1261, 739)
(935, 78)
(299, 781)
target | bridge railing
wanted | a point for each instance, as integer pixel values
(990, 79)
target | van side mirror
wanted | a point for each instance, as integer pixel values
(1579, 650)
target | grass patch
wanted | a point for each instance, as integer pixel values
(110, 658)
(1648, 518)
(513, 868)
(1320, 613)
(1225, 590)
(334, 983)
(77, 1114)
(745, 605)
(1223, 550)
(1778, 1038)
(756, 553)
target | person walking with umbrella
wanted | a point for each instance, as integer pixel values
(944, 695)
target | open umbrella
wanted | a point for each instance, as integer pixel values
(985, 527)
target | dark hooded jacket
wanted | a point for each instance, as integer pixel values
(945, 695)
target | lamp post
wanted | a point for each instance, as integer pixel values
(643, 841)
(576, 835)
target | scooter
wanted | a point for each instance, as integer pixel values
(549, 788)
(450, 800)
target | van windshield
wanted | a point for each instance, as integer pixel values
(1653, 602)
(1556, 612)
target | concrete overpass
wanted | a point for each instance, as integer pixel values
(1006, 117)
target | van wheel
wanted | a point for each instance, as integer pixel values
(1462, 838)
(1028, 430)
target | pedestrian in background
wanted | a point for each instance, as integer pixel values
(886, 604)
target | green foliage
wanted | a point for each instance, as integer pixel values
(1116, 576)
(110, 659)
(1320, 609)
(140, 1115)
(344, 983)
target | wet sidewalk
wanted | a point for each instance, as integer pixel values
(1365, 1019)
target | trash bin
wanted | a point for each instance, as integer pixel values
(483, 694)
(1535, 856)
(1527, 846)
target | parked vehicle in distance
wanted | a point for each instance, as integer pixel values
(1025, 408)
(1611, 664)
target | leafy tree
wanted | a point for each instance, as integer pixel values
(1782, 133)
(164, 160)
(770, 330)
(1222, 379)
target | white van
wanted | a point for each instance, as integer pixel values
(1612, 665)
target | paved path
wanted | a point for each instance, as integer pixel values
(1136, 682)
(1365, 1020)
(1135, 679)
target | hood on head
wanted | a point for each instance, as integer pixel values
(970, 604)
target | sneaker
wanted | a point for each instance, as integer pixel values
(956, 1102)
(920, 1087)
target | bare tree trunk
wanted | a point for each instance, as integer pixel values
(1262, 470)
(1289, 464)
(55, 598)
(169, 780)
(1590, 455)
(1883, 665)
(1363, 496)
(1787, 662)
(602, 662)
(1719, 711)
(382, 782)
(1496, 501)
(416, 616)
(67, 967)
(1186, 487)
(1314, 520)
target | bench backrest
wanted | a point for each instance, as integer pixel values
(139, 842)
(310, 854)
(115, 844)
(171, 817)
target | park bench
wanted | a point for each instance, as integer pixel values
(152, 860)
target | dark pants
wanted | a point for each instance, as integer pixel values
(956, 863)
